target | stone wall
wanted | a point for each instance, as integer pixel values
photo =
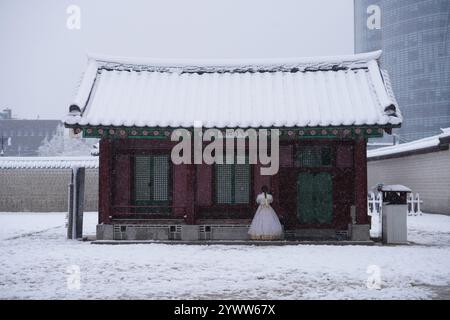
(42, 190)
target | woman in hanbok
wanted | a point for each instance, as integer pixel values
(265, 224)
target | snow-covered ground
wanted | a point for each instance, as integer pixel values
(36, 261)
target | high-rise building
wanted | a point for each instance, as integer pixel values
(415, 38)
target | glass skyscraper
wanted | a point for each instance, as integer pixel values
(415, 38)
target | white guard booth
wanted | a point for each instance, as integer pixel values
(394, 221)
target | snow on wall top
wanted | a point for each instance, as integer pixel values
(48, 162)
(307, 92)
(425, 143)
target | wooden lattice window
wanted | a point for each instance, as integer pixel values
(152, 180)
(232, 183)
(314, 156)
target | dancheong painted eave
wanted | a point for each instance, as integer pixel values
(328, 92)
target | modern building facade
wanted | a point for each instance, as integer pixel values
(22, 138)
(415, 38)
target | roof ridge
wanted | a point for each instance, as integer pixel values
(235, 63)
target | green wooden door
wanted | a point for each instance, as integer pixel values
(152, 183)
(315, 198)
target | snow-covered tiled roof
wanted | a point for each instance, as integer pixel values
(48, 162)
(412, 146)
(305, 92)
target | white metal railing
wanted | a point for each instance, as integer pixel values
(375, 209)
(375, 204)
(414, 203)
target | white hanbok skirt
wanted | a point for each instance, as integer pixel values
(265, 224)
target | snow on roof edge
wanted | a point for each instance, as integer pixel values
(379, 84)
(391, 187)
(85, 87)
(420, 144)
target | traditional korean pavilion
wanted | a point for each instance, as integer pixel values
(325, 109)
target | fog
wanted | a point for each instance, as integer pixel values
(42, 60)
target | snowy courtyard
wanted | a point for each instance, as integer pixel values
(37, 262)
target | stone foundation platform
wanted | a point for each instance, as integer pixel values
(220, 232)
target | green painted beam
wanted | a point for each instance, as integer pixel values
(286, 133)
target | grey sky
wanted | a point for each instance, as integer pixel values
(41, 61)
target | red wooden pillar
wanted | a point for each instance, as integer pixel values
(104, 179)
(184, 192)
(360, 164)
(190, 193)
(203, 185)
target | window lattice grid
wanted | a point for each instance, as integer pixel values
(142, 178)
(233, 182)
(224, 183)
(161, 178)
(314, 156)
(241, 184)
